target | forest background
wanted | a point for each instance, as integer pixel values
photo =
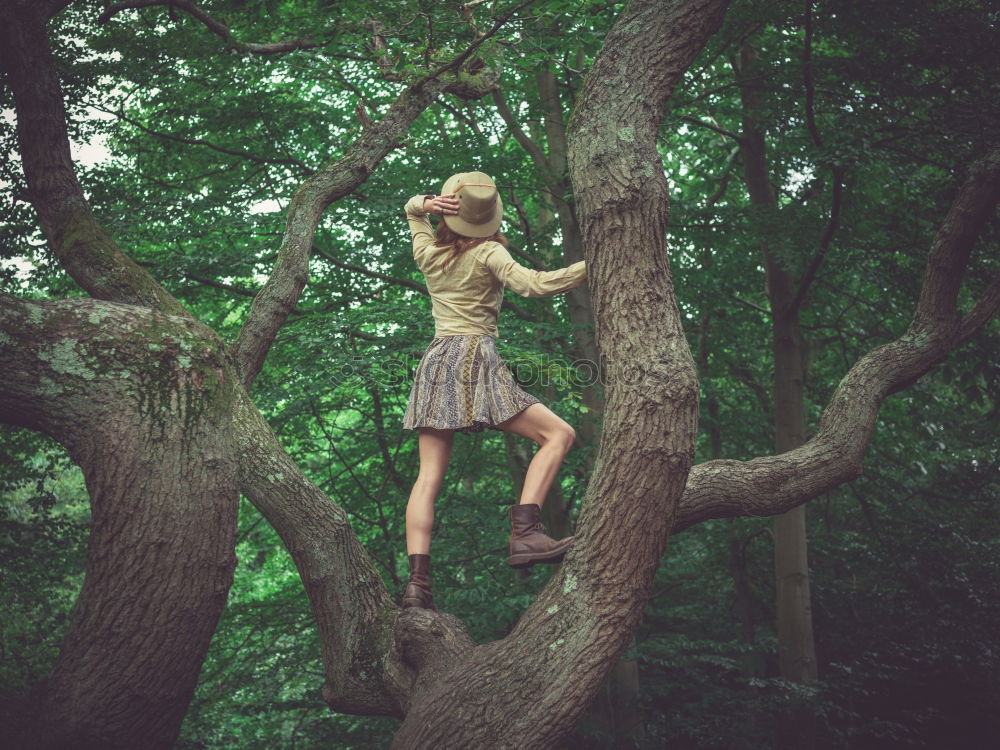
(869, 120)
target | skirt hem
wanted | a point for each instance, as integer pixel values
(463, 384)
(476, 426)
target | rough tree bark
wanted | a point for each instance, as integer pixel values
(581, 622)
(141, 401)
(80, 367)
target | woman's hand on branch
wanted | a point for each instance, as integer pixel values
(441, 205)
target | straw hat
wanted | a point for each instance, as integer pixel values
(479, 206)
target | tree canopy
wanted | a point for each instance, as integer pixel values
(217, 328)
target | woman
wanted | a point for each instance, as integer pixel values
(461, 383)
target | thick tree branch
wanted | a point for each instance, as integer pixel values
(976, 200)
(374, 657)
(87, 252)
(771, 485)
(140, 400)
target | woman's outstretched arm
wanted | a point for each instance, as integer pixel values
(529, 283)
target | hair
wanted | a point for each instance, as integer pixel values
(445, 236)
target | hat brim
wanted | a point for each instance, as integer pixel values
(459, 225)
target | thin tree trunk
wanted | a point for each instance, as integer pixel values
(796, 649)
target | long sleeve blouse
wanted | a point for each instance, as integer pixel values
(467, 292)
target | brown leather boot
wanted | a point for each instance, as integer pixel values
(418, 590)
(528, 542)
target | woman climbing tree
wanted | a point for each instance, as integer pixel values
(461, 383)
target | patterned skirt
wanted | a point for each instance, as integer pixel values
(462, 384)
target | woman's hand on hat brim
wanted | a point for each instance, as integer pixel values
(442, 205)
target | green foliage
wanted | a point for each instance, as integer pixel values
(44, 518)
(206, 147)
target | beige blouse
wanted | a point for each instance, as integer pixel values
(466, 295)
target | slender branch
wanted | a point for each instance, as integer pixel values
(751, 305)
(723, 180)
(836, 171)
(208, 144)
(534, 150)
(807, 78)
(825, 241)
(237, 290)
(464, 118)
(982, 311)
(721, 131)
(216, 27)
(457, 62)
(416, 286)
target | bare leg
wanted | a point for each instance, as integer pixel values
(435, 452)
(554, 437)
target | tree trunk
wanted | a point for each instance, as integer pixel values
(796, 650)
(580, 623)
(141, 402)
(154, 410)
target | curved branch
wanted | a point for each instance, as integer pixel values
(83, 247)
(375, 656)
(140, 400)
(771, 485)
